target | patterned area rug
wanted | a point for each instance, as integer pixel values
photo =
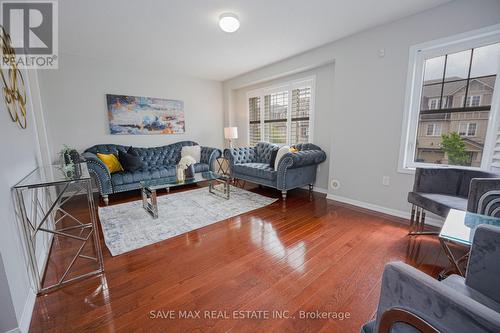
(128, 226)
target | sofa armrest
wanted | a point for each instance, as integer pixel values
(209, 155)
(101, 172)
(481, 192)
(483, 268)
(447, 310)
(301, 158)
(240, 155)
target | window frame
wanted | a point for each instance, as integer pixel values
(417, 55)
(434, 132)
(464, 100)
(308, 81)
(467, 128)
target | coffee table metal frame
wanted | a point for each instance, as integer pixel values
(149, 196)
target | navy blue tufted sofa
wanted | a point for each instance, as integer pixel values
(158, 162)
(294, 169)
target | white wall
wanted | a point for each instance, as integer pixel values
(74, 97)
(8, 319)
(368, 98)
(21, 154)
(323, 101)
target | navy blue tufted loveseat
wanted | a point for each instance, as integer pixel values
(294, 169)
(158, 162)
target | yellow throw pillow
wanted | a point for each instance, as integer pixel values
(111, 162)
(293, 150)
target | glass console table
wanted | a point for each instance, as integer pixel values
(459, 228)
(61, 236)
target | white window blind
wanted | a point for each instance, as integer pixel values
(281, 114)
(276, 117)
(254, 132)
(301, 111)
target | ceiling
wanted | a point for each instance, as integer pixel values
(183, 35)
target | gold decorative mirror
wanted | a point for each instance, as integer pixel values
(14, 91)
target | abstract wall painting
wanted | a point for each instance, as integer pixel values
(144, 115)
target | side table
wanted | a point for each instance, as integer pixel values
(459, 228)
(223, 166)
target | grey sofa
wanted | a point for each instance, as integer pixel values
(453, 305)
(294, 170)
(158, 162)
(437, 190)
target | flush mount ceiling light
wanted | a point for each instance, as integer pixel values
(229, 22)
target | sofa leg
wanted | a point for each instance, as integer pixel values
(311, 186)
(105, 198)
(283, 195)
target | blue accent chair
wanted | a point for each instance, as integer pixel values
(294, 170)
(456, 304)
(158, 162)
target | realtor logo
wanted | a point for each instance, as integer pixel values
(32, 26)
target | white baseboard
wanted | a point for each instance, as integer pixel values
(24, 323)
(14, 330)
(316, 189)
(389, 211)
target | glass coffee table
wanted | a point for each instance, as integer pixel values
(149, 188)
(459, 228)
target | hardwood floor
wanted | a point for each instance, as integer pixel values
(303, 257)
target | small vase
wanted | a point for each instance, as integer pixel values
(190, 171)
(180, 175)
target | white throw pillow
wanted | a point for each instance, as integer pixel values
(193, 151)
(281, 152)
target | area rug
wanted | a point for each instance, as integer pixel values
(128, 226)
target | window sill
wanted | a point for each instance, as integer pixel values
(411, 170)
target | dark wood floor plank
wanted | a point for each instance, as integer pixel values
(299, 256)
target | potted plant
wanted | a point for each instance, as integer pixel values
(187, 164)
(70, 162)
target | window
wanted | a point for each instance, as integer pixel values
(451, 95)
(467, 129)
(434, 130)
(434, 103)
(473, 101)
(281, 114)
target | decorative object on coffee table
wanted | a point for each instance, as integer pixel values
(187, 164)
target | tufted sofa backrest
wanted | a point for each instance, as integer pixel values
(151, 157)
(263, 151)
(306, 146)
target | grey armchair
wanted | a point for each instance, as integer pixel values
(437, 190)
(456, 304)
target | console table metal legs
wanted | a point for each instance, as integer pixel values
(48, 222)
